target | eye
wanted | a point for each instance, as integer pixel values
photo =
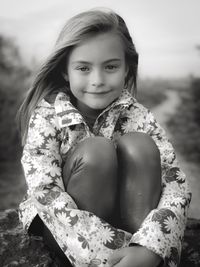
(111, 67)
(83, 68)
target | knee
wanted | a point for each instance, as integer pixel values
(98, 151)
(137, 146)
(96, 155)
(140, 161)
(93, 153)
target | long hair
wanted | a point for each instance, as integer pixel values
(77, 29)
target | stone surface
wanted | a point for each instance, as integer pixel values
(19, 249)
(191, 246)
(16, 247)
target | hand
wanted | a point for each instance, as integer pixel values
(136, 256)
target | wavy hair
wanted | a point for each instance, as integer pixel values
(49, 78)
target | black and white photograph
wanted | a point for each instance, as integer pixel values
(100, 133)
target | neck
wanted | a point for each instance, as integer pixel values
(87, 111)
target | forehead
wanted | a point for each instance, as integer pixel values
(99, 48)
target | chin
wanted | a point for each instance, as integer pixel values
(102, 104)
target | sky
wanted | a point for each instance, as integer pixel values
(165, 32)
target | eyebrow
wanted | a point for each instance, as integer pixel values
(87, 62)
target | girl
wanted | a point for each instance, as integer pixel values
(104, 186)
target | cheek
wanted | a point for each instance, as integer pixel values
(118, 81)
(76, 91)
(76, 83)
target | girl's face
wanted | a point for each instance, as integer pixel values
(96, 71)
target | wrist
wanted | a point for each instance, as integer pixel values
(158, 261)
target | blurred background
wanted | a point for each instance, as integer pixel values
(167, 37)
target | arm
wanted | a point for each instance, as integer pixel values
(80, 234)
(42, 162)
(163, 229)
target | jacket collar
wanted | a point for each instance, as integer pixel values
(68, 115)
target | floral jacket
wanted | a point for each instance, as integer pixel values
(87, 240)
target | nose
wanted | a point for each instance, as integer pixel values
(97, 78)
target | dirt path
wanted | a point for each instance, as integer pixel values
(167, 108)
(162, 113)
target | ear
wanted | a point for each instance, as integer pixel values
(65, 76)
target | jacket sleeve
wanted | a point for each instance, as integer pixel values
(163, 229)
(82, 236)
(41, 162)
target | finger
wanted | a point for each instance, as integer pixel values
(115, 257)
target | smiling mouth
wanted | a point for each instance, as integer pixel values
(97, 93)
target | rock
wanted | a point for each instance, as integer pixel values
(19, 249)
(191, 246)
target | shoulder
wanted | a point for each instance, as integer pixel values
(136, 107)
(51, 109)
(48, 104)
(131, 102)
(45, 109)
(51, 96)
(139, 113)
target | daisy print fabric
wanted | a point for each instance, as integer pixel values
(86, 239)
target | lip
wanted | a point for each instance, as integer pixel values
(98, 93)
